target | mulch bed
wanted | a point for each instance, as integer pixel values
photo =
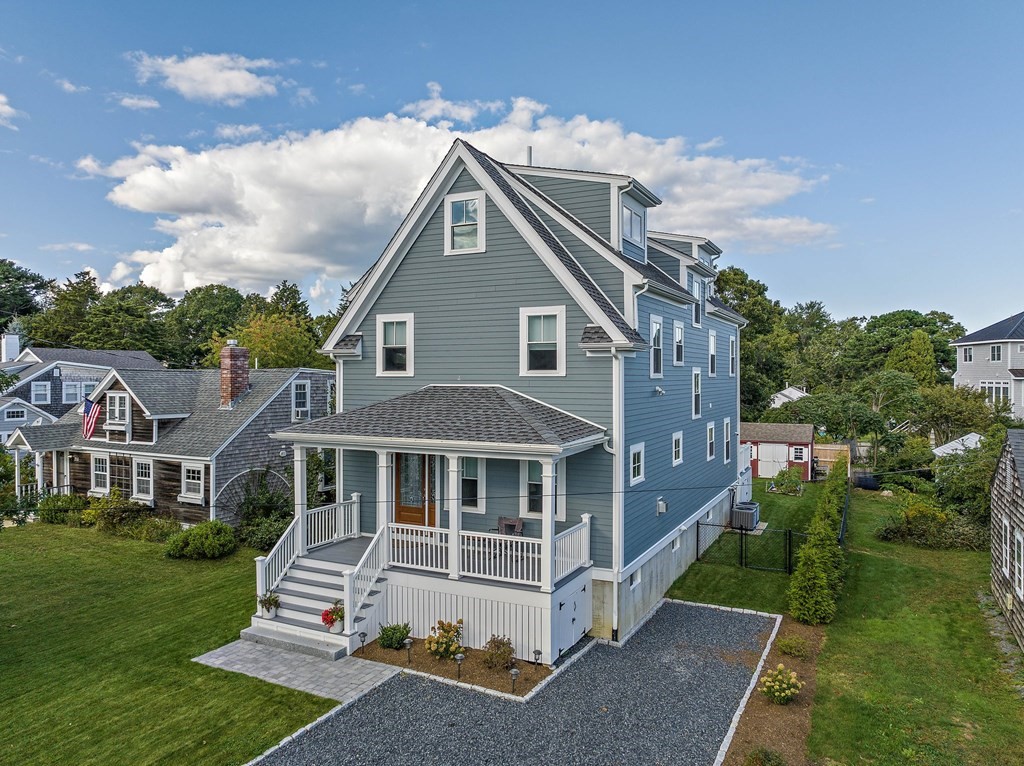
(473, 669)
(782, 728)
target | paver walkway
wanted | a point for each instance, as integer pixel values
(341, 680)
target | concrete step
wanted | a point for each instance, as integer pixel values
(308, 587)
(295, 638)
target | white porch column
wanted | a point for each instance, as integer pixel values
(385, 475)
(547, 536)
(17, 472)
(300, 495)
(53, 476)
(454, 517)
(39, 472)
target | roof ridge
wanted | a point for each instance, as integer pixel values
(517, 403)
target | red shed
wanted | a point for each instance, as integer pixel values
(775, 446)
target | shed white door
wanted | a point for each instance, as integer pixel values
(771, 458)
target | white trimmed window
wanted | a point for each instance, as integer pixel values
(100, 473)
(678, 340)
(531, 489)
(711, 441)
(712, 354)
(968, 354)
(677, 448)
(542, 340)
(117, 410)
(74, 392)
(300, 400)
(696, 286)
(657, 348)
(41, 393)
(1018, 563)
(1006, 547)
(633, 229)
(394, 344)
(732, 356)
(676, 542)
(636, 464)
(191, 483)
(472, 491)
(465, 223)
(727, 437)
(798, 454)
(142, 486)
(635, 578)
(995, 353)
(995, 390)
(14, 415)
(695, 411)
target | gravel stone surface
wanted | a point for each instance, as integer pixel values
(667, 697)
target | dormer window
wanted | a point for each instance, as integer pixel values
(633, 227)
(465, 225)
(117, 410)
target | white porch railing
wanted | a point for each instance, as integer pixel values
(572, 548)
(419, 547)
(330, 523)
(501, 557)
(359, 580)
(745, 453)
(272, 567)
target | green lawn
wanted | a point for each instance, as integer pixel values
(96, 641)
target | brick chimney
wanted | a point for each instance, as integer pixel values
(234, 373)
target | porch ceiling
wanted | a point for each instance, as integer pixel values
(484, 418)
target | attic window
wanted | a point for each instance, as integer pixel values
(117, 409)
(633, 229)
(465, 226)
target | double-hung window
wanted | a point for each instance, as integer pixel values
(697, 288)
(473, 484)
(711, 440)
(532, 489)
(712, 354)
(300, 400)
(1006, 546)
(117, 410)
(191, 483)
(696, 392)
(678, 350)
(1018, 563)
(732, 356)
(798, 454)
(395, 344)
(542, 340)
(143, 480)
(465, 223)
(41, 393)
(677, 448)
(636, 464)
(995, 353)
(727, 438)
(657, 351)
(100, 473)
(632, 225)
(75, 391)
(968, 353)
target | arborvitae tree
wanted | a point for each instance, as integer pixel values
(916, 358)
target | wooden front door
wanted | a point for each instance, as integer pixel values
(415, 493)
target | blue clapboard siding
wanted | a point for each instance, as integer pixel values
(589, 201)
(635, 252)
(652, 419)
(666, 263)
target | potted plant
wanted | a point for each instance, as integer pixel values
(269, 602)
(334, 617)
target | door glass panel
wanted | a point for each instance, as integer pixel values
(410, 492)
(432, 472)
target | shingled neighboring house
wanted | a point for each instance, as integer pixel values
(1008, 532)
(51, 381)
(538, 399)
(777, 446)
(179, 440)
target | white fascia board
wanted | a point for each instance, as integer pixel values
(118, 448)
(17, 440)
(658, 291)
(425, 446)
(567, 173)
(104, 384)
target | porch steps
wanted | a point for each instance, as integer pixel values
(282, 634)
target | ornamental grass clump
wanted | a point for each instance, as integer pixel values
(393, 636)
(780, 685)
(499, 653)
(445, 640)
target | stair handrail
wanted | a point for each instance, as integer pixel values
(270, 569)
(359, 580)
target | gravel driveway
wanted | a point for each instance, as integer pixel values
(667, 697)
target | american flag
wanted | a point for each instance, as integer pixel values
(89, 418)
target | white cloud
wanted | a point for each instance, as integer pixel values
(714, 143)
(139, 103)
(323, 204)
(59, 247)
(304, 97)
(8, 113)
(237, 132)
(219, 78)
(357, 89)
(69, 87)
(867, 200)
(437, 108)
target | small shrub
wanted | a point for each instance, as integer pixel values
(445, 639)
(73, 519)
(54, 509)
(499, 653)
(794, 646)
(114, 513)
(780, 685)
(263, 533)
(153, 529)
(208, 540)
(789, 480)
(52, 515)
(764, 757)
(393, 636)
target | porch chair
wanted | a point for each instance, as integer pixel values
(509, 525)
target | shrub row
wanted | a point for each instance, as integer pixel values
(110, 514)
(821, 562)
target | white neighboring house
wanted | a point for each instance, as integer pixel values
(788, 394)
(992, 360)
(955, 447)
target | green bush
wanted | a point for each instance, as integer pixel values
(445, 640)
(208, 540)
(114, 514)
(53, 509)
(921, 522)
(393, 636)
(789, 481)
(263, 533)
(764, 757)
(794, 646)
(259, 501)
(499, 653)
(153, 529)
(780, 685)
(811, 599)
(73, 519)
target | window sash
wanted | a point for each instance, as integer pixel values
(192, 481)
(712, 354)
(679, 349)
(727, 436)
(144, 479)
(968, 354)
(542, 342)
(996, 354)
(100, 473)
(711, 441)
(117, 409)
(1018, 563)
(732, 356)
(1006, 547)
(696, 394)
(470, 482)
(14, 415)
(395, 346)
(677, 448)
(637, 469)
(40, 393)
(657, 356)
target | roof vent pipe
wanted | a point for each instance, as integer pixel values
(529, 156)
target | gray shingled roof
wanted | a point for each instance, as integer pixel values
(796, 433)
(127, 360)
(1016, 373)
(199, 435)
(593, 333)
(491, 167)
(1015, 438)
(348, 343)
(726, 309)
(485, 414)
(1011, 328)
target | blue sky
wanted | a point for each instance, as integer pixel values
(866, 155)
